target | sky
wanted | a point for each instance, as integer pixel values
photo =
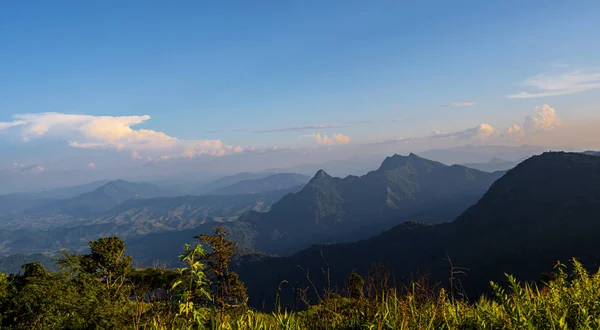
(106, 89)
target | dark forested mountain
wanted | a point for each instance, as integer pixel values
(543, 210)
(495, 164)
(272, 182)
(330, 209)
(592, 153)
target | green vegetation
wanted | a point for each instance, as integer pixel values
(544, 210)
(101, 290)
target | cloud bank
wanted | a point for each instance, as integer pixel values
(107, 132)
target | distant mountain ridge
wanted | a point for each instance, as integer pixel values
(136, 217)
(543, 210)
(272, 182)
(228, 180)
(474, 154)
(102, 199)
(495, 164)
(61, 193)
(330, 209)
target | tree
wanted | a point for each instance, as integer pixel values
(230, 292)
(101, 277)
(193, 283)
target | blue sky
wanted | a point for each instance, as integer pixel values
(223, 70)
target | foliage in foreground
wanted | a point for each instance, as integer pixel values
(101, 290)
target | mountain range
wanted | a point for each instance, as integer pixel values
(117, 208)
(330, 210)
(102, 199)
(412, 216)
(542, 211)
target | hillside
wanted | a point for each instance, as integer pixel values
(330, 209)
(542, 211)
(272, 182)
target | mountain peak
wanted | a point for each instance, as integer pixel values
(397, 161)
(321, 174)
(117, 182)
(394, 161)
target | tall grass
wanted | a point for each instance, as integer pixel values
(568, 301)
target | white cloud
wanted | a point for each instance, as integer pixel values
(323, 139)
(340, 138)
(480, 132)
(559, 84)
(458, 104)
(101, 132)
(545, 118)
(515, 129)
(91, 166)
(515, 132)
(335, 139)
